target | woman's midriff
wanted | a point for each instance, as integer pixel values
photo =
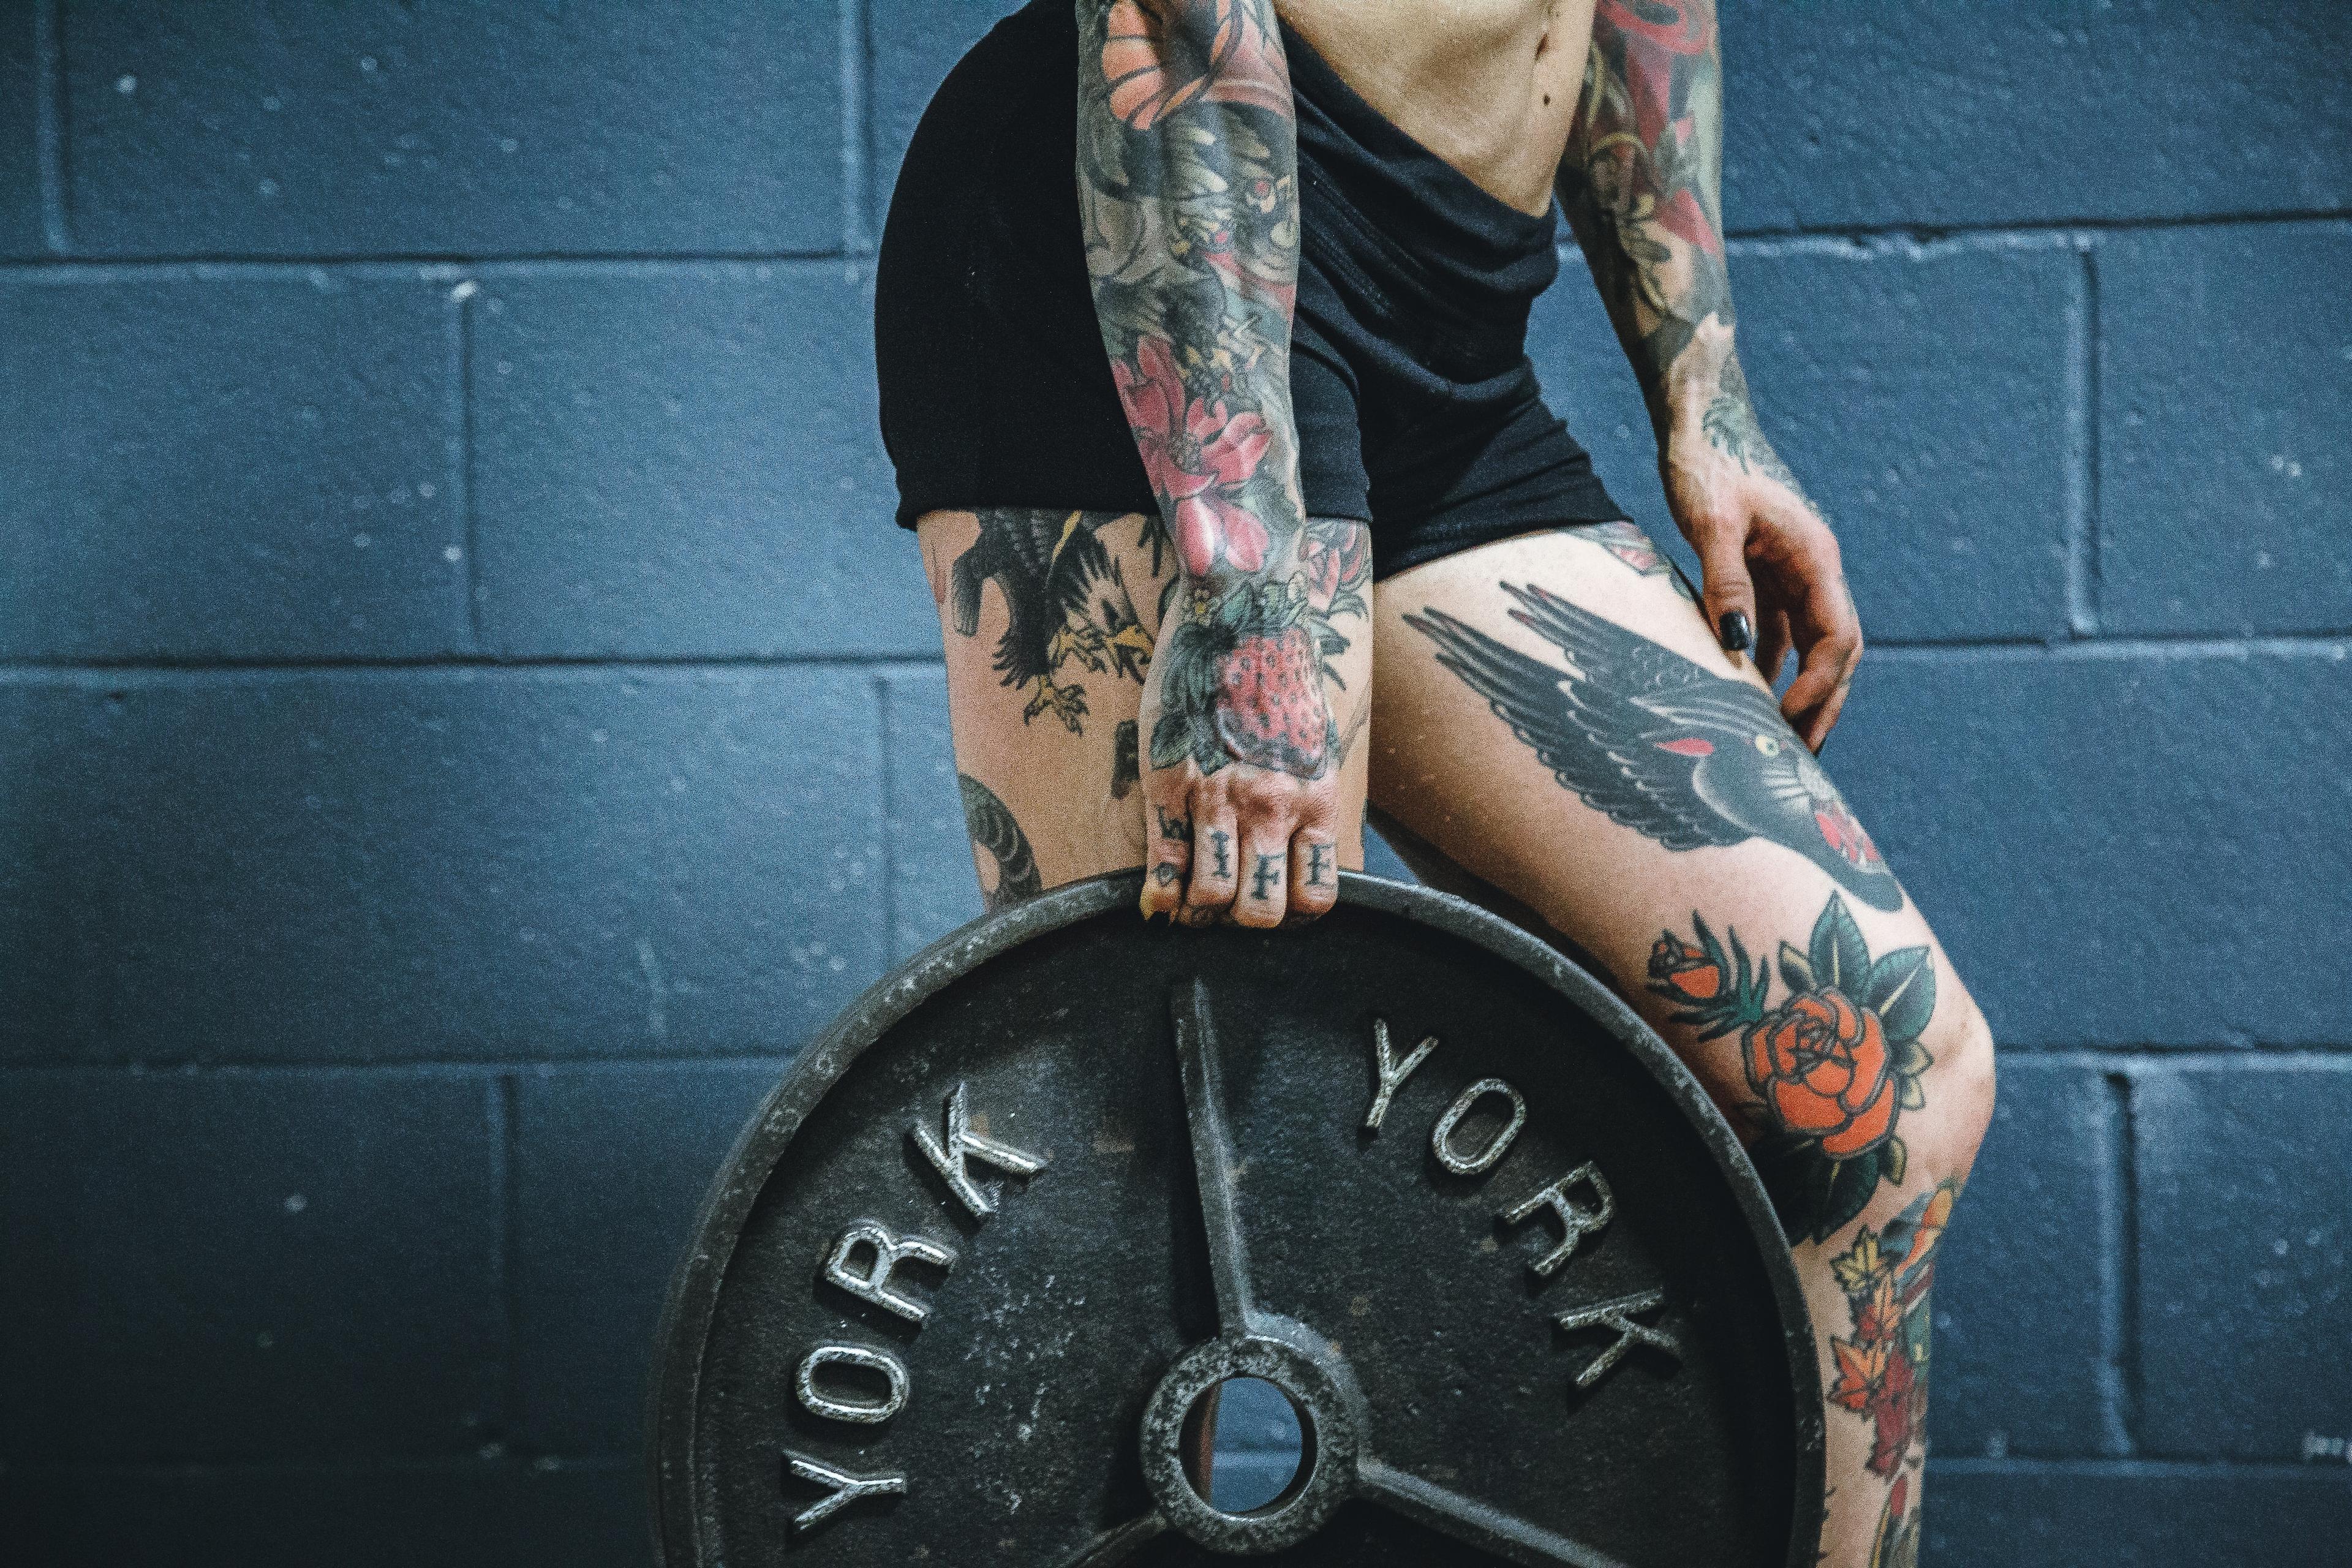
(1490, 86)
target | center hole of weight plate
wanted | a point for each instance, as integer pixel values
(1247, 1444)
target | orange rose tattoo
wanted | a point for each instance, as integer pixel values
(1833, 1066)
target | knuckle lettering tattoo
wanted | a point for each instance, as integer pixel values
(1268, 876)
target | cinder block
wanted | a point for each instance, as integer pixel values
(20, 163)
(2020, 1276)
(1844, 112)
(383, 127)
(610, 1166)
(1919, 393)
(373, 865)
(235, 465)
(2223, 404)
(2243, 1247)
(916, 43)
(2134, 1516)
(687, 461)
(2117, 847)
(478, 1515)
(275, 1265)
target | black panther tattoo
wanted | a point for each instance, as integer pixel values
(1659, 744)
(1000, 836)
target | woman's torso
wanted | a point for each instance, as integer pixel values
(1490, 86)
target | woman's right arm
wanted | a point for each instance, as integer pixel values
(1187, 170)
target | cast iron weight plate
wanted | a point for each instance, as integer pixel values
(954, 1290)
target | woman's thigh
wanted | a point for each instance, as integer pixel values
(1557, 722)
(1049, 618)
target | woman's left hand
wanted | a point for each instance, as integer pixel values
(1774, 581)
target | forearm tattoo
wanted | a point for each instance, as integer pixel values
(1731, 428)
(1642, 180)
(1188, 191)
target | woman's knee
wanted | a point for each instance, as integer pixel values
(1960, 1088)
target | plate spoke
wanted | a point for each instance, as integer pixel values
(1212, 1158)
(1473, 1522)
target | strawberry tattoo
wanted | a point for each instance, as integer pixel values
(1243, 682)
(1270, 703)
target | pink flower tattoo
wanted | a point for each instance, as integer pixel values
(1197, 456)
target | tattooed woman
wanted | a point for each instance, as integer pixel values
(1201, 326)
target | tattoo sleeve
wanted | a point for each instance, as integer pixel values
(1188, 191)
(1642, 184)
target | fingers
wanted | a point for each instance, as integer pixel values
(1314, 873)
(1216, 861)
(1167, 853)
(1222, 854)
(1824, 628)
(1265, 891)
(1729, 594)
(1772, 644)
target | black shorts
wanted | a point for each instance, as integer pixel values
(1418, 409)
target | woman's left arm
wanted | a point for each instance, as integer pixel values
(1642, 184)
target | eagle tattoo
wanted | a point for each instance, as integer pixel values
(1659, 744)
(1048, 565)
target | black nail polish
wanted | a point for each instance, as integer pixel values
(1737, 633)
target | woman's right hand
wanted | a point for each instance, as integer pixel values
(1257, 699)
(1241, 780)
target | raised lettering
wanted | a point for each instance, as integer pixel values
(1390, 1072)
(1618, 1315)
(872, 1283)
(1441, 1138)
(962, 1145)
(1577, 1222)
(842, 1488)
(863, 1412)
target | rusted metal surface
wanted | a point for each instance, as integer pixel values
(957, 1292)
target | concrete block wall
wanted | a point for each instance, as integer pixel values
(465, 718)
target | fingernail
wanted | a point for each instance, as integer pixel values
(1737, 633)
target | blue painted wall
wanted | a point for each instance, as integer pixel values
(464, 717)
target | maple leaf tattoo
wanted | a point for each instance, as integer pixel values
(1658, 744)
